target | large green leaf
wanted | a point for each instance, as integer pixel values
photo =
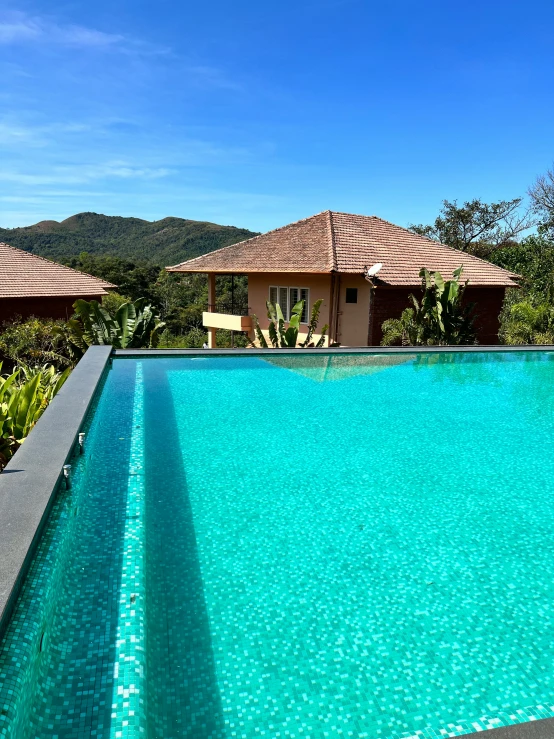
(135, 325)
(273, 337)
(290, 336)
(439, 282)
(24, 409)
(126, 319)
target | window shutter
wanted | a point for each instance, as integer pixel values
(273, 295)
(305, 296)
(283, 301)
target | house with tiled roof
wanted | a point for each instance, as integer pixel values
(34, 286)
(328, 256)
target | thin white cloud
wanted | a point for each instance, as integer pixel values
(14, 134)
(20, 28)
(10, 134)
(76, 175)
(130, 148)
(13, 30)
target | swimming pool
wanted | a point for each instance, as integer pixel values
(296, 546)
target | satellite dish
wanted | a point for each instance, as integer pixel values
(372, 271)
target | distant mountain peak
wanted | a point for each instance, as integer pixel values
(167, 241)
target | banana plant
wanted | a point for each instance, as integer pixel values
(24, 396)
(286, 337)
(135, 325)
(440, 318)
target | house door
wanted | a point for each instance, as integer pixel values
(353, 311)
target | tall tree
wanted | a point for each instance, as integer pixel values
(542, 199)
(477, 227)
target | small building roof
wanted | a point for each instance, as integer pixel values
(25, 275)
(341, 242)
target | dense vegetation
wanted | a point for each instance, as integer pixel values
(494, 232)
(130, 325)
(439, 318)
(163, 243)
(24, 396)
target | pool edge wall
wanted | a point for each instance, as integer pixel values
(29, 481)
(249, 352)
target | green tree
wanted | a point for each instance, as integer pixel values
(542, 199)
(135, 279)
(533, 259)
(113, 301)
(477, 227)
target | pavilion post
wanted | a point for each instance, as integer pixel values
(211, 309)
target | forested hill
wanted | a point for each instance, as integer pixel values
(165, 242)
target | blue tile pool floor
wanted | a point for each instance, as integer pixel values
(359, 546)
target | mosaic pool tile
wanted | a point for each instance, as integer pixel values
(250, 551)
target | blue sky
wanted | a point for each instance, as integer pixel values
(259, 113)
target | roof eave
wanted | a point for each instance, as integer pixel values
(239, 271)
(470, 283)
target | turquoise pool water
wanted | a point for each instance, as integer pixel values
(354, 546)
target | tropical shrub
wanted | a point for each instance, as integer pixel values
(193, 339)
(113, 301)
(439, 319)
(232, 339)
(403, 331)
(134, 325)
(37, 340)
(526, 323)
(282, 336)
(24, 396)
(196, 338)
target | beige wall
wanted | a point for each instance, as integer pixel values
(258, 294)
(353, 317)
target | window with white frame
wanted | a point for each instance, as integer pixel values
(287, 297)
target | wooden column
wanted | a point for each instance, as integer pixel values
(211, 309)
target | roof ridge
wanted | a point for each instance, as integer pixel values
(57, 264)
(333, 254)
(445, 246)
(252, 238)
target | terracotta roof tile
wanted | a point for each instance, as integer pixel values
(347, 243)
(24, 275)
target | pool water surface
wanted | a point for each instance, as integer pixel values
(296, 546)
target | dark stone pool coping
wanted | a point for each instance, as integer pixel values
(160, 352)
(541, 729)
(28, 483)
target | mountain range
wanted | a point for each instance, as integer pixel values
(165, 242)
